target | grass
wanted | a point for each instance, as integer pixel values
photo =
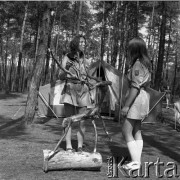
(21, 154)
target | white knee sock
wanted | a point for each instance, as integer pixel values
(133, 150)
(140, 147)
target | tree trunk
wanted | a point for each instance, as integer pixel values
(26, 75)
(6, 60)
(123, 19)
(20, 51)
(125, 37)
(47, 61)
(175, 68)
(154, 52)
(57, 45)
(103, 33)
(11, 70)
(53, 64)
(48, 54)
(74, 27)
(2, 80)
(45, 20)
(115, 35)
(151, 25)
(109, 37)
(79, 17)
(53, 73)
(21, 85)
(158, 75)
(168, 48)
(134, 19)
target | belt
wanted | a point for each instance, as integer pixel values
(73, 81)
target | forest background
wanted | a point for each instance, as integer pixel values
(29, 28)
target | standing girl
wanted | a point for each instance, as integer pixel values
(76, 96)
(137, 103)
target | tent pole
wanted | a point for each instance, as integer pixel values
(44, 100)
(121, 89)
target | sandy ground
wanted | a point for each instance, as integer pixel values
(21, 152)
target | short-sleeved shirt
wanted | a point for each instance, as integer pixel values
(76, 94)
(139, 77)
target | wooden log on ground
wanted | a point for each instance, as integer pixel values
(64, 160)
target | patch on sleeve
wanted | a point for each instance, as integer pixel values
(136, 72)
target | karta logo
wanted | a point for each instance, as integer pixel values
(115, 167)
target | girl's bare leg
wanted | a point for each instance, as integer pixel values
(82, 129)
(69, 111)
(138, 138)
(127, 131)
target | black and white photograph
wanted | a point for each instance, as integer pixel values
(89, 90)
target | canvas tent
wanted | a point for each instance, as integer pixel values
(52, 93)
(109, 73)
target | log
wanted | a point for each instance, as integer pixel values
(64, 160)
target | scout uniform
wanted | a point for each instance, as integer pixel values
(75, 92)
(139, 76)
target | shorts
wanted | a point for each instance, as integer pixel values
(77, 95)
(140, 106)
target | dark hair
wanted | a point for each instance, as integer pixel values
(137, 50)
(74, 45)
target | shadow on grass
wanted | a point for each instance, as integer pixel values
(4, 96)
(157, 136)
(36, 133)
(42, 120)
(167, 150)
(13, 128)
(163, 138)
(43, 130)
(160, 136)
(11, 123)
(117, 151)
(171, 124)
(23, 104)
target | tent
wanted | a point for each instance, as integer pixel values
(109, 73)
(49, 95)
(52, 93)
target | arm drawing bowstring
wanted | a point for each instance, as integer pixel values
(91, 86)
(65, 130)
